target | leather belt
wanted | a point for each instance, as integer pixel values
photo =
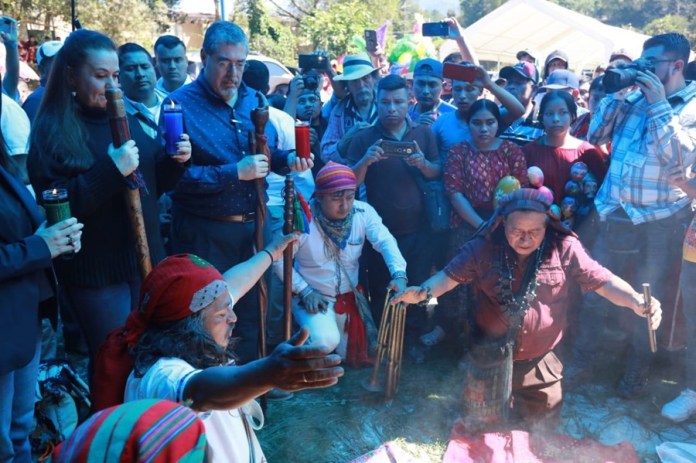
(237, 218)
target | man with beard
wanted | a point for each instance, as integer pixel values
(354, 112)
(214, 203)
(137, 77)
(643, 216)
(452, 128)
(171, 62)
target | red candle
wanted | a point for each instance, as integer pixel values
(302, 145)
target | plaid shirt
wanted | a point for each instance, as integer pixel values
(641, 135)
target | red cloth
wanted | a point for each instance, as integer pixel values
(565, 263)
(175, 289)
(556, 163)
(475, 173)
(356, 352)
(521, 446)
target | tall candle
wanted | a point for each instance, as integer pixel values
(302, 144)
(173, 127)
(56, 204)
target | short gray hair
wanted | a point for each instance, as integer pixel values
(223, 33)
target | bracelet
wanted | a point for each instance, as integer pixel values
(428, 295)
(400, 276)
(269, 254)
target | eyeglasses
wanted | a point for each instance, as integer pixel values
(229, 66)
(653, 61)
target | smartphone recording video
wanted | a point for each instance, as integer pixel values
(462, 72)
(438, 29)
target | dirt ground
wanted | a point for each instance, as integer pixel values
(339, 424)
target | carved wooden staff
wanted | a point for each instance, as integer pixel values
(288, 227)
(259, 116)
(120, 133)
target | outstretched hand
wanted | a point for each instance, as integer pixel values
(297, 365)
(410, 295)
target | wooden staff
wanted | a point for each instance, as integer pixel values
(120, 133)
(648, 303)
(259, 117)
(382, 346)
(288, 227)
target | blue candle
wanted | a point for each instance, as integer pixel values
(173, 127)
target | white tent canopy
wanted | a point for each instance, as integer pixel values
(544, 27)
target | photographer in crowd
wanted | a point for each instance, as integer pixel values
(393, 190)
(643, 216)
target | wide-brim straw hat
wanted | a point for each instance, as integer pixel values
(356, 67)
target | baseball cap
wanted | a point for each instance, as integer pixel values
(620, 53)
(562, 79)
(523, 69)
(48, 50)
(527, 51)
(557, 54)
(428, 67)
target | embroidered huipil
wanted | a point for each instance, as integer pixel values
(641, 135)
(565, 263)
(475, 173)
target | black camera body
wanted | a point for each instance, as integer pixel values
(311, 80)
(399, 149)
(618, 78)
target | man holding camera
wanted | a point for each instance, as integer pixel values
(356, 111)
(643, 216)
(380, 158)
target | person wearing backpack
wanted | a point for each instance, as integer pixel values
(27, 247)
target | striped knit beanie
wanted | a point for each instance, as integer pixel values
(334, 177)
(150, 430)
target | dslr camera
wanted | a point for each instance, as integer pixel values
(311, 80)
(624, 75)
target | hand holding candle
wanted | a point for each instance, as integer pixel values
(62, 233)
(55, 202)
(173, 127)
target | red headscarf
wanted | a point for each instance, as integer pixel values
(178, 287)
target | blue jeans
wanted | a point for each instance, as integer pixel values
(688, 291)
(98, 311)
(17, 390)
(644, 253)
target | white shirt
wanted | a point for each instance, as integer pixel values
(314, 268)
(15, 127)
(163, 92)
(227, 438)
(304, 182)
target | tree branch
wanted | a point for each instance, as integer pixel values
(285, 12)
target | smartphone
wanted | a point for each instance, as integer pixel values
(463, 72)
(7, 25)
(399, 149)
(438, 29)
(311, 61)
(371, 40)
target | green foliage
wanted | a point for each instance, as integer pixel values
(267, 35)
(123, 20)
(672, 23)
(333, 29)
(473, 10)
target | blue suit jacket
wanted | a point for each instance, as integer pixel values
(23, 259)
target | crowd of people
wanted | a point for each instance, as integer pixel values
(561, 199)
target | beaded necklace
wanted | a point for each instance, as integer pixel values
(515, 306)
